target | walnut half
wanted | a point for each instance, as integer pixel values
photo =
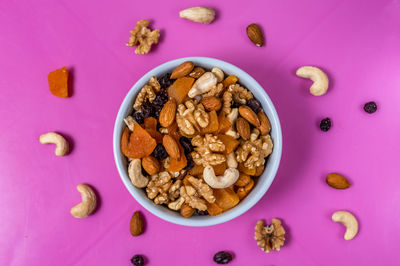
(270, 237)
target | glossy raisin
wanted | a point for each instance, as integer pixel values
(190, 163)
(325, 124)
(186, 144)
(159, 152)
(254, 104)
(165, 80)
(137, 260)
(200, 213)
(222, 257)
(370, 107)
(138, 116)
(147, 110)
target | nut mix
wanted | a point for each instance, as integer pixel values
(197, 140)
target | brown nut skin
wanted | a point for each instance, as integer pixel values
(137, 225)
(182, 70)
(187, 211)
(243, 128)
(171, 147)
(211, 103)
(337, 181)
(265, 125)
(197, 72)
(167, 114)
(249, 115)
(255, 34)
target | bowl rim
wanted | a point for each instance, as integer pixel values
(264, 182)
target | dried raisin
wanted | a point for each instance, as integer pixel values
(200, 213)
(138, 116)
(325, 124)
(186, 144)
(159, 152)
(137, 260)
(370, 107)
(147, 110)
(222, 257)
(165, 80)
(254, 104)
(190, 163)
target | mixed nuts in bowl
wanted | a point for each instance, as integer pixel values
(197, 141)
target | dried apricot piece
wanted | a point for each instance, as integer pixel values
(213, 125)
(213, 209)
(140, 143)
(230, 143)
(173, 131)
(219, 169)
(232, 79)
(180, 88)
(177, 165)
(226, 198)
(224, 123)
(150, 123)
(155, 135)
(58, 82)
(196, 170)
(243, 169)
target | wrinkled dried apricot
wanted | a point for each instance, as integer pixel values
(150, 123)
(196, 170)
(219, 169)
(140, 143)
(155, 135)
(232, 79)
(58, 82)
(213, 209)
(177, 165)
(230, 143)
(213, 125)
(224, 123)
(226, 198)
(180, 88)
(246, 170)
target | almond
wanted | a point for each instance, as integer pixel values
(186, 211)
(211, 103)
(249, 115)
(255, 35)
(182, 70)
(197, 72)
(265, 126)
(337, 181)
(136, 225)
(151, 165)
(243, 128)
(171, 147)
(167, 114)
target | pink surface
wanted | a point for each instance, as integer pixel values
(356, 42)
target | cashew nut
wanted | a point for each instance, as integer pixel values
(62, 146)
(88, 204)
(321, 81)
(135, 174)
(203, 84)
(349, 221)
(232, 116)
(219, 74)
(231, 160)
(230, 176)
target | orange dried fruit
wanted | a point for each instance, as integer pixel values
(241, 192)
(155, 135)
(230, 143)
(180, 88)
(246, 170)
(150, 123)
(177, 165)
(213, 209)
(173, 131)
(140, 143)
(213, 125)
(224, 123)
(226, 198)
(196, 170)
(219, 169)
(232, 79)
(58, 82)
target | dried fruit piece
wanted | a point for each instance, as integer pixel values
(224, 123)
(222, 257)
(165, 81)
(182, 70)
(370, 107)
(265, 125)
(180, 88)
(151, 165)
(155, 135)
(255, 35)
(211, 103)
(197, 72)
(177, 165)
(167, 115)
(136, 225)
(259, 170)
(254, 104)
(243, 128)
(213, 209)
(160, 153)
(187, 211)
(232, 79)
(58, 82)
(219, 169)
(137, 260)
(150, 123)
(171, 147)
(325, 124)
(243, 180)
(230, 143)
(186, 144)
(337, 181)
(249, 115)
(139, 144)
(226, 198)
(213, 125)
(243, 169)
(197, 170)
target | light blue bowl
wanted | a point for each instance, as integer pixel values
(264, 180)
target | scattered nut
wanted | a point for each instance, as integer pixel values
(320, 79)
(167, 114)
(203, 84)
(171, 147)
(229, 178)
(218, 73)
(249, 115)
(182, 70)
(243, 128)
(142, 37)
(88, 204)
(349, 221)
(135, 174)
(151, 165)
(62, 146)
(198, 14)
(136, 225)
(255, 35)
(270, 237)
(337, 181)
(265, 125)
(211, 103)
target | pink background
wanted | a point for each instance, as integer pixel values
(356, 42)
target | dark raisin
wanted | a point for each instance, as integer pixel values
(137, 260)
(147, 110)
(254, 104)
(182, 175)
(325, 124)
(235, 105)
(186, 144)
(161, 98)
(159, 152)
(190, 163)
(370, 107)
(138, 116)
(200, 213)
(222, 257)
(165, 80)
